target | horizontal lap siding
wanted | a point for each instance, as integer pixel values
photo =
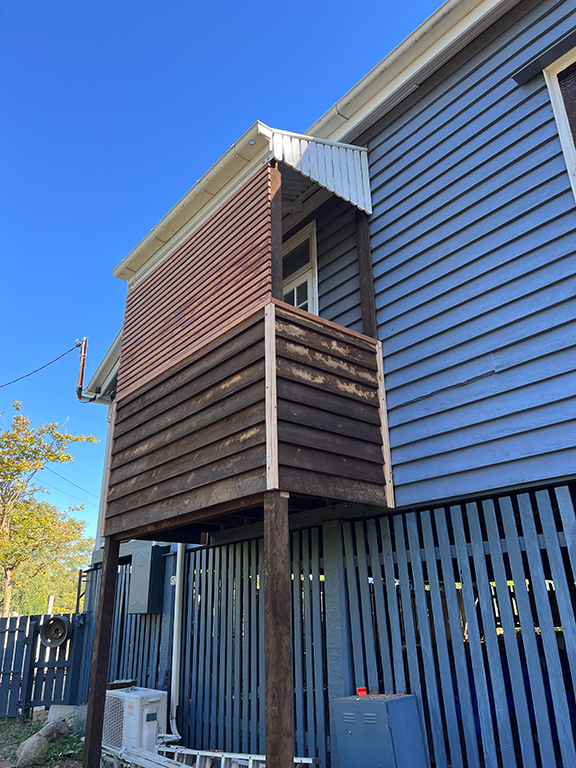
(219, 274)
(338, 279)
(194, 438)
(473, 242)
(329, 434)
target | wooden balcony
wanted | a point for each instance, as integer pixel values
(283, 401)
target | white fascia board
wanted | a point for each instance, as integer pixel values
(227, 174)
(106, 370)
(431, 45)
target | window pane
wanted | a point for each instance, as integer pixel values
(301, 293)
(289, 297)
(567, 81)
(296, 259)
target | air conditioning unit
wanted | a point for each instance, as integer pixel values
(133, 717)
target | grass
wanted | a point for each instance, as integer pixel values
(12, 734)
(63, 751)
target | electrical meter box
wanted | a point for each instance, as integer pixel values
(380, 731)
(147, 581)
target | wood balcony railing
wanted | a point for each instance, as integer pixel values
(285, 400)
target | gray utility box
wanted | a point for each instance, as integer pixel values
(147, 580)
(380, 731)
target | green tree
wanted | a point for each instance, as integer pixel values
(24, 451)
(44, 551)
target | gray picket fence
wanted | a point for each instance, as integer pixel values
(471, 608)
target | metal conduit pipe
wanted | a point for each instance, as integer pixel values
(177, 638)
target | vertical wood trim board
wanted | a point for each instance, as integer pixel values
(387, 458)
(271, 398)
(222, 272)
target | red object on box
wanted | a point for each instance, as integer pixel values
(361, 691)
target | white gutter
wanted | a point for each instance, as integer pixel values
(177, 639)
(438, 39)
(197, 203)
(431, 45)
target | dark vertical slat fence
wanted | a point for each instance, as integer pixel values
(13, 634)
(472, 608)
(222, 690)
(136, 638)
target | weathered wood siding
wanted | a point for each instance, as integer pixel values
(218, 275)
(474, 240)
(329, 431)
(194, 437)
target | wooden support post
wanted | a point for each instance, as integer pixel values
(100, 653)
(367, 299)
(276, 230)
(277, 632)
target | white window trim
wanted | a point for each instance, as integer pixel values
(551, 76)
(306, 233)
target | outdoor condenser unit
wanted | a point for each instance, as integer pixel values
(133, 717)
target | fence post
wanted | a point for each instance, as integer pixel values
(75, 655)
(339, 672)
(26, 686)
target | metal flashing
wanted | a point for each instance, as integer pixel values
(340, 168)
(446, 32)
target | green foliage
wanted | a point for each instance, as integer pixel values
(69, 747)
(24, 451)
(12, 734)
(60, 750)
(46, 548)
(35, 537)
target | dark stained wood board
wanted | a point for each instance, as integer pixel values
(196, 293)
(213, 432)
(227, 409)
(223, 468)
(171, 512)
(240, 336)
(196, 439)
(328, 410)
(318, 485)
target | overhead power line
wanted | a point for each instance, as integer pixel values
(71, 483)
(26, 375)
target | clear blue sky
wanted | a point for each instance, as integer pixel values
(111, 111)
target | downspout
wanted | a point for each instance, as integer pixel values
(177, 638)
(80, 385)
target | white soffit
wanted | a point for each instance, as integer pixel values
(340, 168)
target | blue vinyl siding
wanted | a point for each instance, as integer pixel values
(338, 279)
(473, 244)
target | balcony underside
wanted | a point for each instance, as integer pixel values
(284, 401)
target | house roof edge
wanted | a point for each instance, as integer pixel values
(431, 45)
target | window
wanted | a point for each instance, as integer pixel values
(299, 270)
(561, 80)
